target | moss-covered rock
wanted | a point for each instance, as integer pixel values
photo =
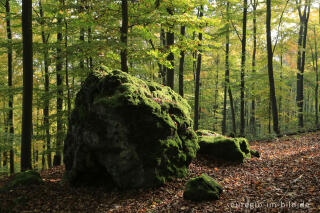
(24, 179)
(204, 132)
(230, 149)
(127, 133)
(202, 188)
(255, 153)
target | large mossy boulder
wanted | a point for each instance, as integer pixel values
(127, 133)
(222, 147)
(202, 188)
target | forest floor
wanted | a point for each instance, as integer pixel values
(284, 179)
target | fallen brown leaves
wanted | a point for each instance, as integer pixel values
(284, 179)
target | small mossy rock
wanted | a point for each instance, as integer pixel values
(25, 178)
(226, 148)
(127, 133)
(202, 188)
(255, 153)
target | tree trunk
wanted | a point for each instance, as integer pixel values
(315, 68)
(181, 65)
(243, 67)
(89, 41)
(197, 89)
(81, 9)
(301, 58)
(273, 100)
(124, 36)
(59, 63)
(10, 112)
(224, 112)
(27, 85)
(170, 57)
(253, 103)
(227, 84)
(215, 101)
(46, 110)
(164, 68)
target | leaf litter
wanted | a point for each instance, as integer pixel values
(284, 179)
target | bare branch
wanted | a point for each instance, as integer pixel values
(235, 29)
(274, 47)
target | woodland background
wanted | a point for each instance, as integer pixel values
(217, 54)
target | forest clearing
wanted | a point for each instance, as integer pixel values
(287, 173)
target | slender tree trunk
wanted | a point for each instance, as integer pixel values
(26, 136)
(67, 65)
(253, 103)
(89, 41)
(181, 65)
(194, 56)
(124, 36)
(215, 101)
(10, 112)
(224, 112)
(59, 63)
(197, 89)
(46, 110)
(81, 9)
(170, 57)
(164, 68)
(243, 67)
(315, 68)
(301, 58)
(280, 89)
(273, 100)
(227, 83)
(5, 138)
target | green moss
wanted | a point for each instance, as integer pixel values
(230, 149)
(205, 132)
(202, 188)
(25, 178)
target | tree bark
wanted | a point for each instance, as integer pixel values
(164, 68)
(46, 110)
(216, 91)
(227, 88)
(253, 103)
(124, 36)
(81, 9)
(315, 68)
(243, 67)
(170, 57)
(26, 136)
(10, 102)
(181, 65)
(197, 85)
(59, 75)
(302, 41)
(273, 100)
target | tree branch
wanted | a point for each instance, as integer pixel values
(274, 47)
(235, 29)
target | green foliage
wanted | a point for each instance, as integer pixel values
(100, 21)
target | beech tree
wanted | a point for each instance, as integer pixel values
(27, 85)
